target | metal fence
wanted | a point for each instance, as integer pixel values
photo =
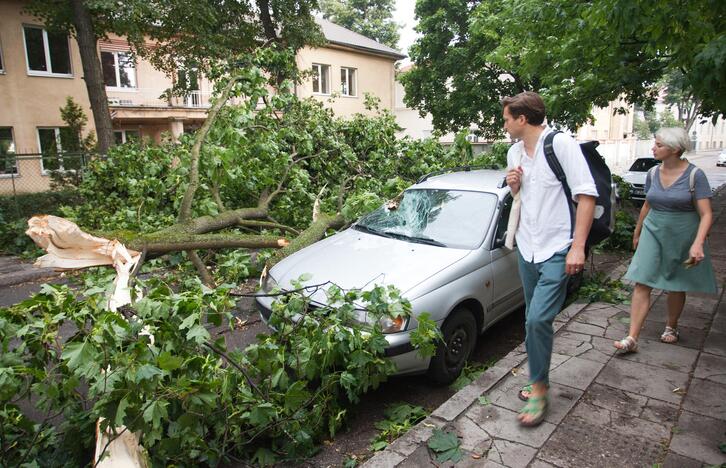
(40, 172)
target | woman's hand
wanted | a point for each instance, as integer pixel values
(636, 239)
(695, 254)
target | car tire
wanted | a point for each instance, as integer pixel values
(459, 332)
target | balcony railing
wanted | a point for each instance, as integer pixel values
(153, 98)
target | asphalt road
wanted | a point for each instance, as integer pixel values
(706, 160)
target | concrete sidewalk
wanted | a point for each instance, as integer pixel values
(665, 404)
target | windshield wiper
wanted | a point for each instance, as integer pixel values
(416, 239)
(369, 230)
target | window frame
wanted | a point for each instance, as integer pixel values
(59, 151)
(8, 175)
(321, 67)
(117, 88)
(46, 50)
(351, 82)
(2, 60)
(124, 134)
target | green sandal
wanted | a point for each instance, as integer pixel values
(537, 407)
(525, 392)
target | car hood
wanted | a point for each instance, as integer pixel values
(353, 259)
(635, 177)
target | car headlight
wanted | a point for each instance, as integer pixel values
(393, 324)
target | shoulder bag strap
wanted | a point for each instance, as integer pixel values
(556, 167)
(692, 185)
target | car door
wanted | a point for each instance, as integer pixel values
(506, 286)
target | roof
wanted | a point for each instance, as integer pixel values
(339, 35)
(481, 180)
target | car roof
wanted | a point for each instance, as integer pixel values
(480, 180)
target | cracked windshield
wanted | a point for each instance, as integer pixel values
(446, 218)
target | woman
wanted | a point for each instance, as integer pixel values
(670, 237)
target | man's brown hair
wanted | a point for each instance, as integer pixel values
(529, 104)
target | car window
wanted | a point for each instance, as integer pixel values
(644, 164)
(454, 218)
(503, 222)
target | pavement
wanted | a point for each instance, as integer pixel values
(662, 406)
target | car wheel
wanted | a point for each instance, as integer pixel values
(459, 332)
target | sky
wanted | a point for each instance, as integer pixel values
(404, 15)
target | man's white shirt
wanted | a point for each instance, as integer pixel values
(544, 223)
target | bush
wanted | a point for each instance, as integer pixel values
(16, 210)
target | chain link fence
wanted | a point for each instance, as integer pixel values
(28, 180)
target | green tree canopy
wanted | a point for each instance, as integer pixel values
(372, 18)
(575, 54)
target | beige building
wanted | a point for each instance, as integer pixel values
(38, 70)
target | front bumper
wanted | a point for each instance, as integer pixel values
(399, 350)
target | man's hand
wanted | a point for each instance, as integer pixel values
(514, 179)
(575, 261)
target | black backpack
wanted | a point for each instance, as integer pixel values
(603, 219)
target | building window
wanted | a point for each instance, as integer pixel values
(2, 65)
(347, 81)
(53, 158)
(8, 164)
(321, 78)
(125, 136)
(46, 53)
(119, 69)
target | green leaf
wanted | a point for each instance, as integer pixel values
(446, 445)
(121, 412)
(155, 412)
(146, 372)
(262, 414)
(168, 362)
(264, 457)
(296, 395)
(78, 354)
(198, 333)
(483, 400)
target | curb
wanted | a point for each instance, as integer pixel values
(12, 279)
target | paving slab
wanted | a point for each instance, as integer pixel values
(673, 460)
(689, 337)
(698, 437)
(642, 379)
(473, 438)
(578, 442)
(715, 343)
(508, 453)
(561, 398)
(576, 372)
(501, 423)
(669, 356)
(609, 420)
(706, 398)
(711, 367)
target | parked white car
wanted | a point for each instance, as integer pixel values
(721, 161)
(635, 176)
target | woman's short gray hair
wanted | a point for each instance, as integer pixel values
(675, 138)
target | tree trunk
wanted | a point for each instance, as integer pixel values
(92, 74)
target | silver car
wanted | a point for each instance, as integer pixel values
(442, 245)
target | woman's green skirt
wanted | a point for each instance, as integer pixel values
(665, 242)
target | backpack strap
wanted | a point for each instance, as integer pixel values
(556, 167)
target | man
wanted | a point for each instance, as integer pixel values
(547, 251)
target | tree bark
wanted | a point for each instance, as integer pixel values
(159, 244)
(92, 74)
